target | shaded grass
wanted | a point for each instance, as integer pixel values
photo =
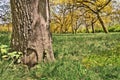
(78, 57)
(5, 38)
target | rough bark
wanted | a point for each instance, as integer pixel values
(31, 30)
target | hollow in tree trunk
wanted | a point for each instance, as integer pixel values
(31, 34)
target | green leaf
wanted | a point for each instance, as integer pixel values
(3, 51)
(12, 54)
(5, 56)
(3, 46)
(20, 53)
(17, 56)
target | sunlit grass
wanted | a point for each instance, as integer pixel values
(78, 57)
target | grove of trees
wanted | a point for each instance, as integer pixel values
(74, 15)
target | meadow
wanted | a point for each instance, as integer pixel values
(78, 57)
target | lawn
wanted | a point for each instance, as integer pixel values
(78, 57)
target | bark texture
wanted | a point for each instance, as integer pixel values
(31, 30)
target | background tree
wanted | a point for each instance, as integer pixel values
(115, 15)
(96, 7)
(5, 12)
(31, 34)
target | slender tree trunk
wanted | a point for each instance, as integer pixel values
(102, 23)
(87, 30)
(76, 28)
(31, 30)
(72, 12)
(93, 30)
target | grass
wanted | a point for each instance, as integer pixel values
(78, 57)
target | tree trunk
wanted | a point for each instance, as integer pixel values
(93, 30)
(31, 34)
(102, 23)
(87, 29)
(71, 13)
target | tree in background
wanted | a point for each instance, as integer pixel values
(98, 9)
(115, 16)
(5, 12)
(31, 34)
(66, 15)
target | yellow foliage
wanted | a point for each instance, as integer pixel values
(6, 27)
(63, 1)
(66, 21)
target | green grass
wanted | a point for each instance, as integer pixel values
(78, 57)
(4, 38)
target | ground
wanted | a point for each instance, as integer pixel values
(78, 57)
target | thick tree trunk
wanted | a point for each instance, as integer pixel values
(102, 23)
(31, 30)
